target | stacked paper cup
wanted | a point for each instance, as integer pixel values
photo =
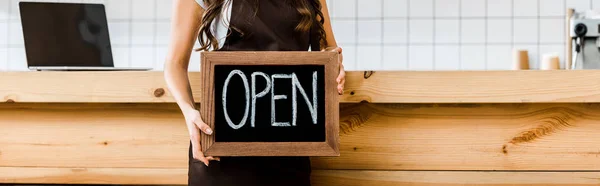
(520, 59)
(550, 62)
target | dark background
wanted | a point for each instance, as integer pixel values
(304, 131)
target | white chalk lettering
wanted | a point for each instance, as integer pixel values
(224, 97)
(311, 107)
(252, 95)
(259, 95)
(277, 97)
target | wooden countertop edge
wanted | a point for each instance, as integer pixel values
(148, 176)
(374, 87)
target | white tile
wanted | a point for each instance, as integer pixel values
(554, 49)
(119, 33)
(329, 6)
(13, 9)
(525, 31)
(164, 9)
(421, 31)
(473, 31)
(194, 65)
(4, 9)
(499, 31)
(3, 59)
(420, 57)
(499, 57)
(163, 33)
(121, 56)
(71, 1)
(473, 8)
(369, 8)
(95, 1)
(344, 30)
(552, 7)
(140, 57)
(472, 57)
(160, 58)
(143, 9)
(499, 8)
(17, 60)
(369, 58)
(15, 33)
(369, 31)
(395, 8)
(395, 31)
(395, 58)
(552, 31)
(447, 31)
(142, 33)
(447, 57)
(344, 8)
(421, 8)
(579, 5)
(118, 9)
(3, 34)
(596, 5)
(44, 0)
(525, 8)
(349, 57)
(532, 51)
(447, 8)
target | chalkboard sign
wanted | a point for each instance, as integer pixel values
(270, 103)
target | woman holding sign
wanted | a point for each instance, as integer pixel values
(243, 25)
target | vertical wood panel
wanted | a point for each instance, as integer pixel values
(93, 135)
(468, 137)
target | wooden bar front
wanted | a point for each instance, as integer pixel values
(396, 128)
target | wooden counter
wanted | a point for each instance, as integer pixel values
(418, 128)
(373, 87)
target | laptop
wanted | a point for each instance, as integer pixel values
(67, 36)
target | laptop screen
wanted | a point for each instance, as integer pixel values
(66, 34)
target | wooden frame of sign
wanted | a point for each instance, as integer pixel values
(328, 147)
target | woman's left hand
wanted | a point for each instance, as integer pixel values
(341, 79)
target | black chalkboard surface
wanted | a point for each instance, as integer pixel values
(270, 103)
(251, 111)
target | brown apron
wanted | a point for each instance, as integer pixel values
(271, 29)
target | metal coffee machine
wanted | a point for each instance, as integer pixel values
(585, 34)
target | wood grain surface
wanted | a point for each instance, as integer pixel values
(377, 87)
(93, 135)
(146, 176)
(129, 176)
(86, 87)
(452, 178)
(489, 128)
(468, 137)
(474, 87)
(373, 136)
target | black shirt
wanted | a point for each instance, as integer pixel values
(258, 25)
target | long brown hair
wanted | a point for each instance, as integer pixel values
(310, 10)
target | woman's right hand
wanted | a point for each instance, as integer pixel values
(195, 125)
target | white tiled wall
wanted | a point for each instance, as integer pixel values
(375, 34)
